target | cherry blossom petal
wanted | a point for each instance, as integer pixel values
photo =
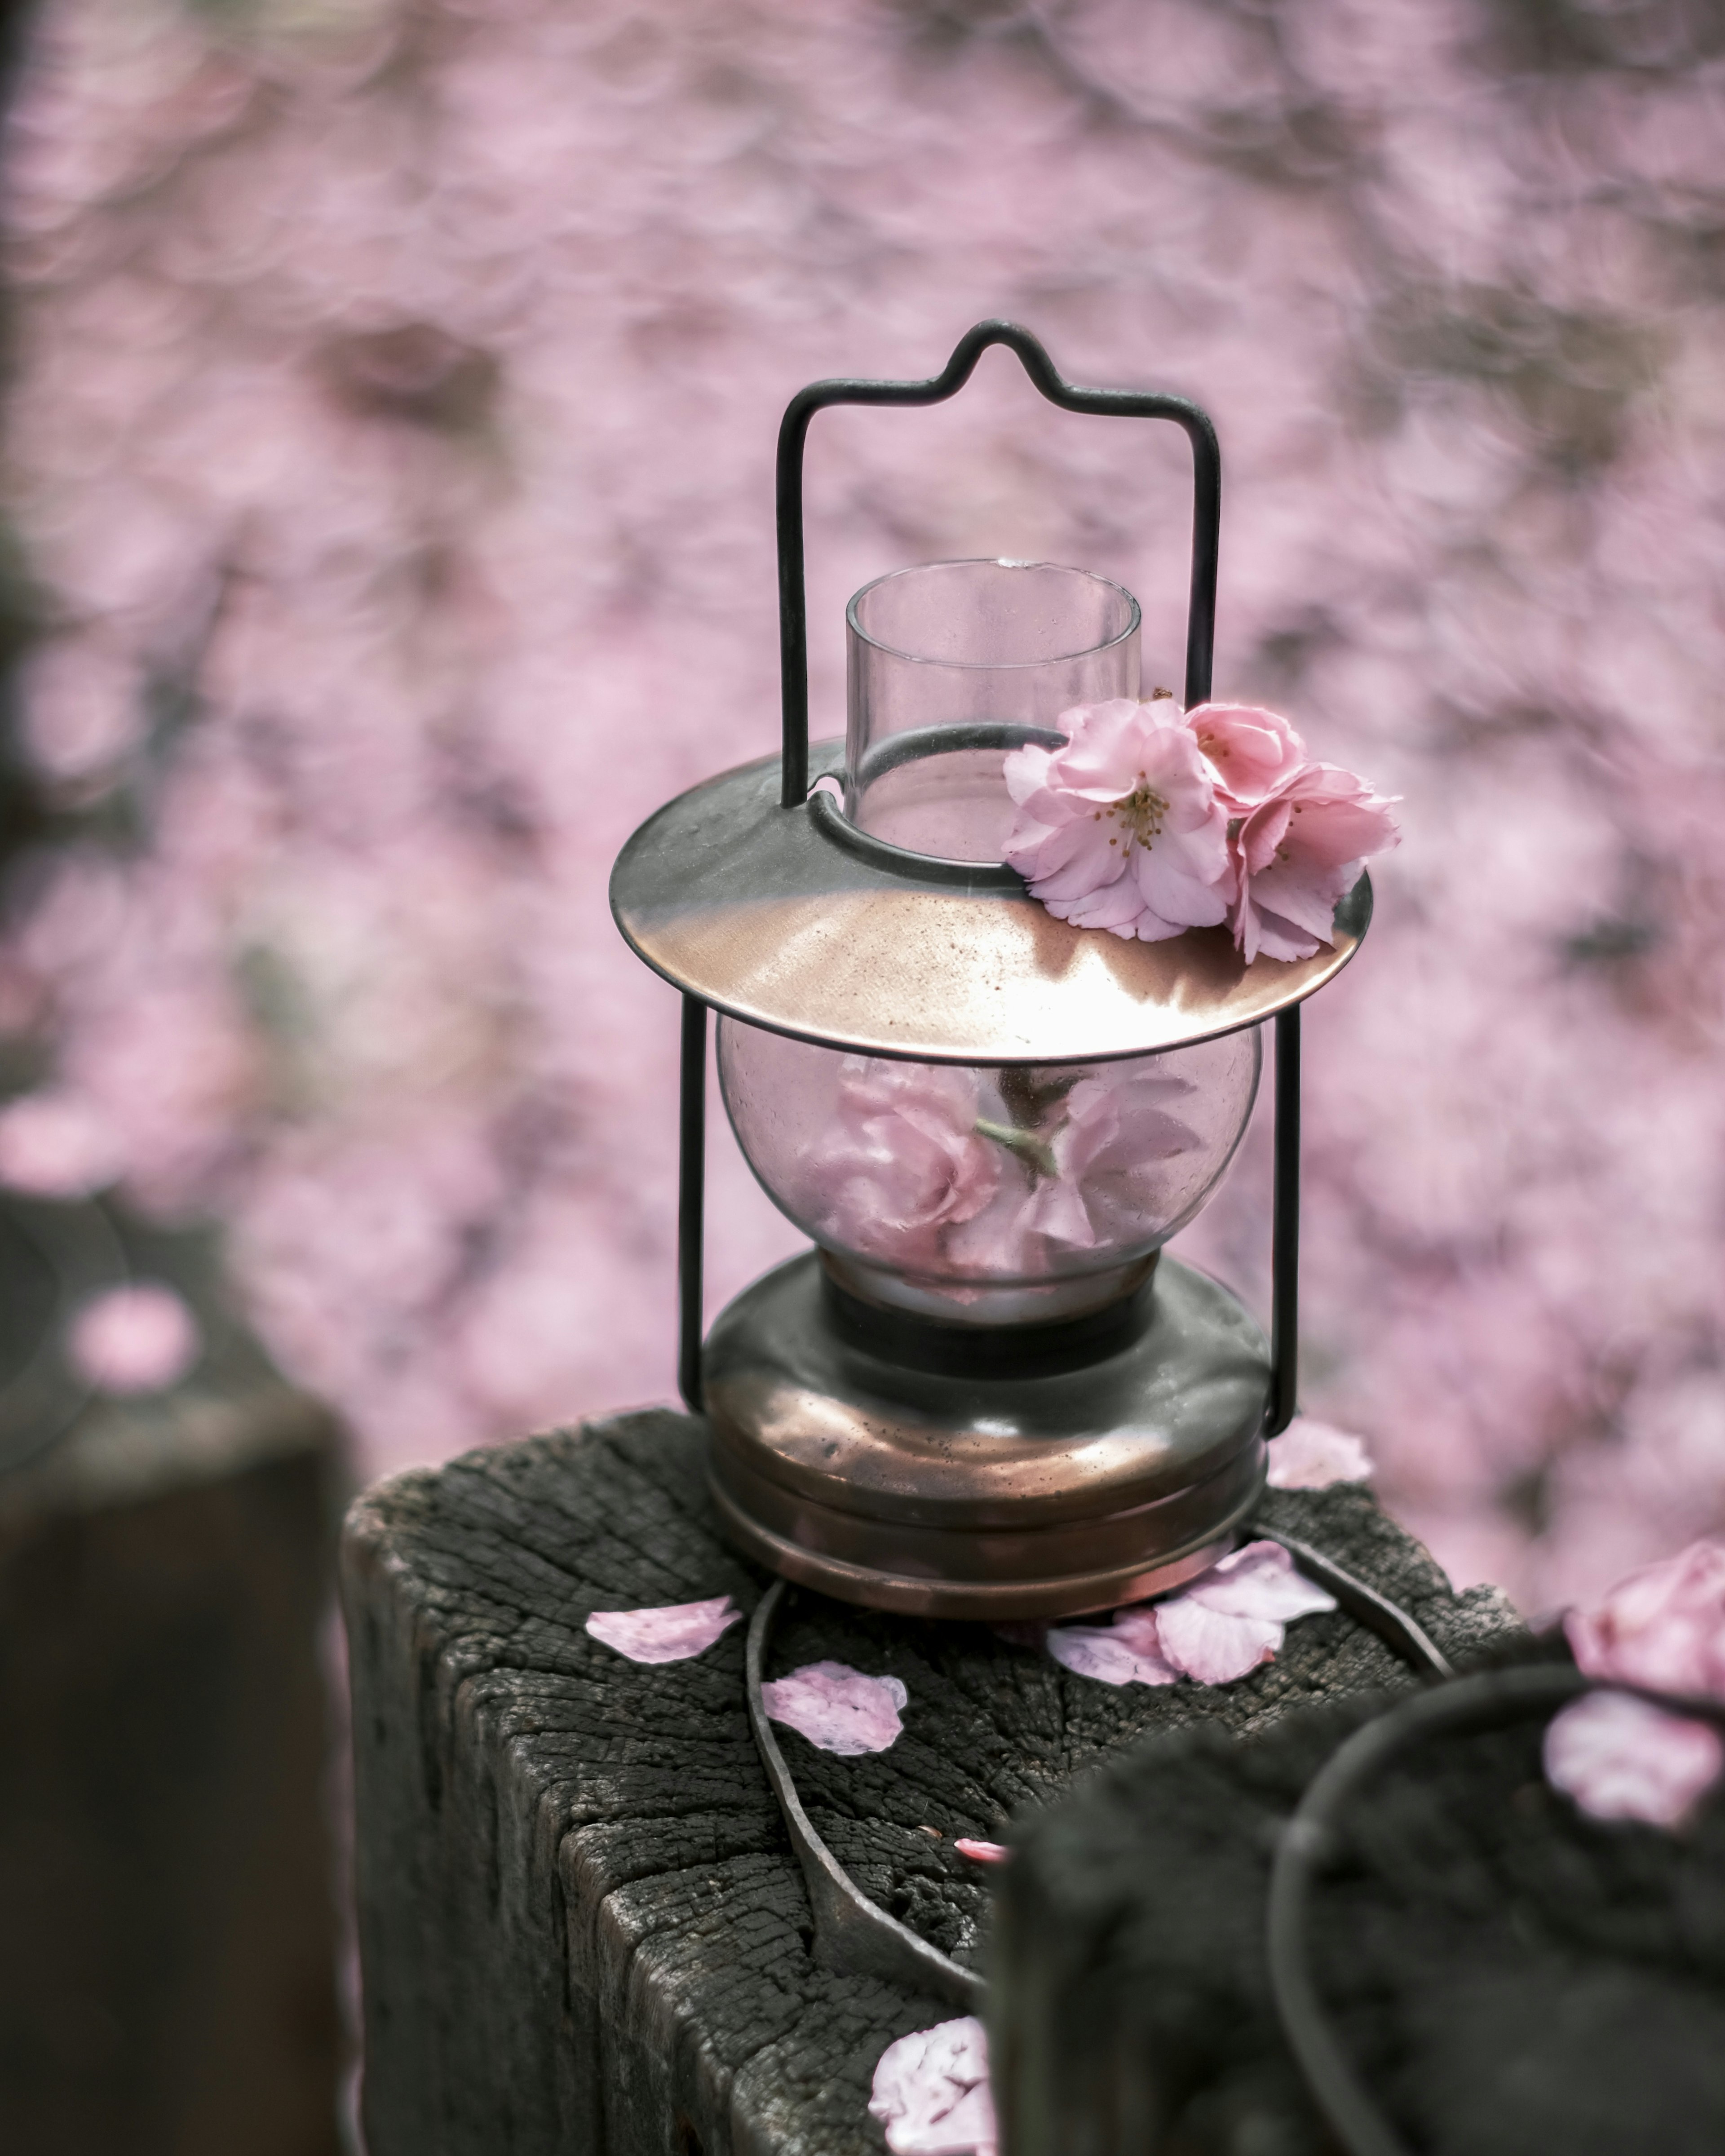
(1663, 1626)
(1311, 1455)
(1212, 1646)
(1621, 1758)
(1251, 749)
(1074, 858)
(931, 2092)
(1055, 1209)
(982, 1852)
(903, 1162)
(1137, 1627)
(1259, 1580)
(1109, 1656)
(1232, 1617)
(1229, 1620)
(838, 1709)
(140, 1339)
(672, 1634)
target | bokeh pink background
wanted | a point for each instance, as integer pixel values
(390, 450)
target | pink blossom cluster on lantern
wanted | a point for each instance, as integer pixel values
(390, 437)
(1152, 819)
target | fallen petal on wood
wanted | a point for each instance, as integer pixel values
(1311, 1455)
(1137, 1626)
(1213, 1646)
(1257, 1581)
(672, 1634)
(931, 2092)
(982, 1852)
(1228, 1621)
(838, 1709)
(1232, 1617)
(1623, 1759)
(1109, 1655)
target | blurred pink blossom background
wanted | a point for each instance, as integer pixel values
(389, 454)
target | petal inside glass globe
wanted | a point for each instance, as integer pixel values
(981, 1191)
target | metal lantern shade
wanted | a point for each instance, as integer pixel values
(1038, 1456)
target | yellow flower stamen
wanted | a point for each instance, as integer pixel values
(1142, 811)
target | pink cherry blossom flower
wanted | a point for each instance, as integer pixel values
(139, 1339)
(1122, 828)
(1311, 1456)
(903, 1162)
(982, 1852)
(671, 1633)
(931, 2092)
(838, 1709)
(1663, 1626)
(1220, 1628)
(1620, 1758)
(1297, 853)
(1111, 1128)
(1251, 751)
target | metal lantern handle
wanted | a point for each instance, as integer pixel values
(793, 648)
(1107, 404)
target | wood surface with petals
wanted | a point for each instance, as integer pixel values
(581, 1922)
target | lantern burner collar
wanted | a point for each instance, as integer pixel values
(1097, 1461)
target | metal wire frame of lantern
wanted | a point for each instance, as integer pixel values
(964, 1439)
(854, 1932)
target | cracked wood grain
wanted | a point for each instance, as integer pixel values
(581, 1925)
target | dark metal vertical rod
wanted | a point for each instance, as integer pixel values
(1285, 1228)
(691, 1197)
(1206, 538)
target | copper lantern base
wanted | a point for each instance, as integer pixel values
(997, 1471)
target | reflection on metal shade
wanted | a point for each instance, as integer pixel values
(763, 913)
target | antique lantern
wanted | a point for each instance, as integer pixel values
(984, 1393)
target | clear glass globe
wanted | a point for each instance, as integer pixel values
(983, 1193)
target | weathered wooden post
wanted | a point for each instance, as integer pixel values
(582, 1925)
(168, 1978)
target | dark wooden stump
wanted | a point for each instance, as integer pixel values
(581, 1922)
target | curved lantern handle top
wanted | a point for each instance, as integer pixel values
(1108, 403)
